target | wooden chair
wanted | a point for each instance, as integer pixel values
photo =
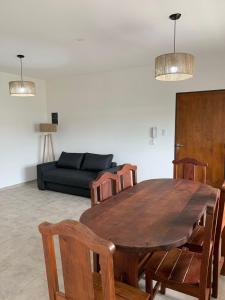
(102, 188)
(105, 186)
(223, 234)
(127, 176)
(196, 242)
(186, 168)
(183, 270)
(80, 283)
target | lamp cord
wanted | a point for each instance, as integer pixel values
(174, 36)
(21, 70)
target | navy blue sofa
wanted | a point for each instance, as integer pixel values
(73, 172)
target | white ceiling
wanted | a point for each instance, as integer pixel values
(116, 33)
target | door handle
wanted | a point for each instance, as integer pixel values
(179, 145)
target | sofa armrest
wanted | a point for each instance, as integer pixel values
(113, 164)
(111, 170)
(41, 169)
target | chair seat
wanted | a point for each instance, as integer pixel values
(176, 265)
(123, 291)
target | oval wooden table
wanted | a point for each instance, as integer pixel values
(156, 214)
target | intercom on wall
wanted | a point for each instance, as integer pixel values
(153, 134)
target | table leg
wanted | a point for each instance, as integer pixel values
(126, 267)
(129, 266)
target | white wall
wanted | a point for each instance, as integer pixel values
(112, 112)
(19, 141)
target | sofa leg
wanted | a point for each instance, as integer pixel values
(41, 185)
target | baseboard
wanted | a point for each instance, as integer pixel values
(17, 185)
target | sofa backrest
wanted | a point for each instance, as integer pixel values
(86, 161)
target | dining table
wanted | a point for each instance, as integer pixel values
(155, 214)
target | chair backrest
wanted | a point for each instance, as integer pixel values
(209, 242)
(104, 187)
(127, 176)
(220, 218)
(186, 168)
(76, 241)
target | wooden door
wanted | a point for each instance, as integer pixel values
(200, 130)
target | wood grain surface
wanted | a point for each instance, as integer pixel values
(200, 131)
(154, 214)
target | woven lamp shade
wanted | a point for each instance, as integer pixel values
(48, 127)
(22, 88)
(174, 66)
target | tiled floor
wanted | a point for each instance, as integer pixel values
(22, 273)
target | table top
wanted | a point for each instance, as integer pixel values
(154, 214)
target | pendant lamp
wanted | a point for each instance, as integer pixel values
(174, 66)
(21, 88)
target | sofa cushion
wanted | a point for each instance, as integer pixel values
(96, 162)
(70, 160)
(70, 177)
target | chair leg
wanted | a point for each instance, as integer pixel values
(204, 297)
(223, 269)
(209, 281)
(215, 279)
(223, 251)
(163, 289)
(149, 285)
